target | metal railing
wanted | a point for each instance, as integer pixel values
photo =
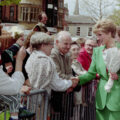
(36, 102)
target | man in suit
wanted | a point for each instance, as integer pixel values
(61, 57)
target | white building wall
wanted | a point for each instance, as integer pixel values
(83, 29)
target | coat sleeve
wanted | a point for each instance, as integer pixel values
(59, 84)
(91, 74)
(11, 85)
(56, 83)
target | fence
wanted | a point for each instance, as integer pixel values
(36, 102)
(61, 106)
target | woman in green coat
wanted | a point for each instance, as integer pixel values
(107, 104)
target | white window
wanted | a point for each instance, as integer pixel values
(90, 31)
(78, 31)
(29, 14)
(25, 14)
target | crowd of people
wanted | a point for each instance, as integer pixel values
(74, 75)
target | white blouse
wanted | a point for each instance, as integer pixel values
(10, 85)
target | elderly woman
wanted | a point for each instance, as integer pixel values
(77, 70)
(76, 66)
(41, 68)
(107, 104)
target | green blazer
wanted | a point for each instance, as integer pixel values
(110, 100)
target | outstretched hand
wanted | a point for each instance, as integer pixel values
(25, 89)
(75, 81)
(114, 76)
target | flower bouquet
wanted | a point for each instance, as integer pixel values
(112, 62)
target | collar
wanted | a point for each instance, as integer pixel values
(57, 50)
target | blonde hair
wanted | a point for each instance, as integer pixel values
(39, 38)
(27, 41)
(105, 25)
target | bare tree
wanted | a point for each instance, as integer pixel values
(115, 16)
(97, 9)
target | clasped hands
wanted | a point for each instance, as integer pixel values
(75, 81)
(114, 76)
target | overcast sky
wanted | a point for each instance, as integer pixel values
(71, 6)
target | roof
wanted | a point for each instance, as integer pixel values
(80, 19)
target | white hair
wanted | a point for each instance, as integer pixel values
(62, 34)
(40, 38)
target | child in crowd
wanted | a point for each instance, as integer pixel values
(8, 62)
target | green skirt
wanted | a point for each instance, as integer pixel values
(106, 114)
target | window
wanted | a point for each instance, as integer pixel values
(60, 4)
(0, 12)
(34, 14)
(60, 21)
(25, 14)
(67, 28)
(90, 31)
(11, 13)
(78, 31)
(29, 14)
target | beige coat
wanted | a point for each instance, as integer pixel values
(63, 63)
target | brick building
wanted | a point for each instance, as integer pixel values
(28, 10)
(9, 13)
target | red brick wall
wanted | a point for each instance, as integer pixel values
(6, 40)
(6, 13)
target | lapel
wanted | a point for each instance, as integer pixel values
(102, 66)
